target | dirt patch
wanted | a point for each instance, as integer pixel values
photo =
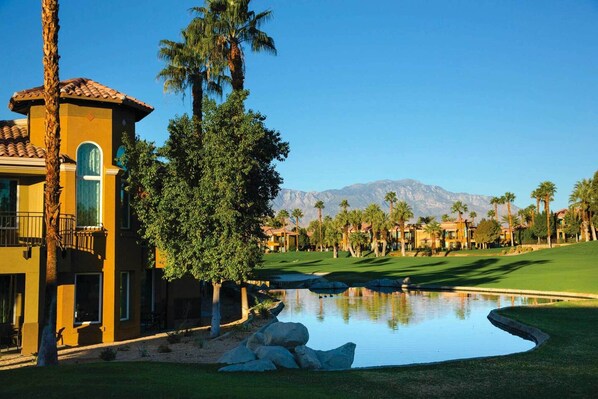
(195, 346)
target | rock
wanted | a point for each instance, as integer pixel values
(278, 355)
(255, 341)
(340, 358)
(254, 365)
(288, 335)
(275, 311)
(326, 285)
(307, 358)
(240, 354)
(383, 282)
(406, 280)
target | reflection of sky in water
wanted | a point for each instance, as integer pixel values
(404, 328)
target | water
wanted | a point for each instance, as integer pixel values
(404, 328)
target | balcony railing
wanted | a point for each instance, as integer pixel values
(26, 229)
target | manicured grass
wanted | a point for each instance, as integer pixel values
(567, 366)
(572, 268)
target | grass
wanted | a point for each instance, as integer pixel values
(566, 366)
(571, 268)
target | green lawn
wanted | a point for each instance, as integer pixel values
(571, 268)
(566, 366)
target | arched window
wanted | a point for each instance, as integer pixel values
(89, 179)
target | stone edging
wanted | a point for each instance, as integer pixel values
(558, 294)
(517, 328)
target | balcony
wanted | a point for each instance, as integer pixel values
(26, 229)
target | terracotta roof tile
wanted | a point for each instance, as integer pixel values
(80, 88)
(14, 141)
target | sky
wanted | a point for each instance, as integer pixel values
(476, 96)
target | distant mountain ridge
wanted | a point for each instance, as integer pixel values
(425, 200)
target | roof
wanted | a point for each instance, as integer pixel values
(79, 89)
(14, 141)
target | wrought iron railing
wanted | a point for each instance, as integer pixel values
(26, 229)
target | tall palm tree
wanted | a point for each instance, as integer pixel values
(547, 190)
(581, 200)
(391, 198)
(374, 215)
(460, 208)
(537, 195)
(297, 214)
(229, 25)
(319, 205)
(491, 214)
(344, 205)
(188, 66)
(494, 201)
(283, 215)
(401, 214)
(355, 218)
(473, 215)
(48, 354)
(508, 199)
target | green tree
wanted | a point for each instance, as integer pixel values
(48, 354)
(344, 205)
(491, 214)
(508, 199)
(375, 216)
(495, 201)
(333, 234)
(459, 208)
(547, 189)
(297, 214)
(446, 218)
(391, 198)
(355, 219)
(473, 215)
(206, 219)
(434, 230)
(401, 214)
(319, 205)
(573, 223)
(581, 201)
(283, 216)
(541, 228)
(229, 26)
(487, 232)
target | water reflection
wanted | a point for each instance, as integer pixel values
(404, 327)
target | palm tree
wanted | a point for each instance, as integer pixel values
(547, 189)
(391, 198)
(319, 205)
(460, 208)
(508, 199)
(376, 217)
(344, 205)
(283, 215)
(401, 214)
(297, 214)
(473, 215)
(491, 214)
(355, 218)
(581, 200)
(229, 25)
(434, 230)
(48, 354)
(187, 66)
(495, 201)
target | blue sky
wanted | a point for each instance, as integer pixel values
(474, 96)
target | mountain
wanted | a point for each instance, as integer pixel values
(425, 200)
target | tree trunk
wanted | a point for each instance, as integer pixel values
(547, 209)
(244, 302)
(384, 243)
(235, 65)
(297, 236)
(352, 251)
(335, 253)
(320, 229)
(403, 240)
(215, 329)
(510, 223)
(48, 354)
(197, 98)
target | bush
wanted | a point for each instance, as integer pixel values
(164, 349)
(108, 354)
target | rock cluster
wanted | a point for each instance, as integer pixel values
(282, 345)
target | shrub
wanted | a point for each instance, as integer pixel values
(143, 351)
(164, 349)
(108, 354)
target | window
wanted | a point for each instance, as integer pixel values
(88, 298)
(8, 203)
(125, 203)
(124, 295)
(89, 181)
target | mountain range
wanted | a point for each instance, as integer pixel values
(425, 200)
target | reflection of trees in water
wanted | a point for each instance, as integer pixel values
(298, 302)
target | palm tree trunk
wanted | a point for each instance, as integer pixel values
(335, 253)
(197, 98)
(384, 243)
(510, 223)
(48, 354)
(297, 236)
(592, 227)
(320, 229)
(547, 209)
(244, 302)
(215, 327)
(235, 65)
(402, 240)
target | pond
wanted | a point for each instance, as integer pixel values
(404, 327)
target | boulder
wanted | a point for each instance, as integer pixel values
(255, 341)
(340, 358)
(327, 285)
(307, 358)
(240, 354)
(288, 335)
(278, 355)
(254, 365)
(383, 282)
